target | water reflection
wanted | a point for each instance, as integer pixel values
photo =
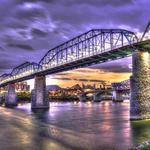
(140, 130)
(73, 125)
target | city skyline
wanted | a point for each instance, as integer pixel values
(107, 72)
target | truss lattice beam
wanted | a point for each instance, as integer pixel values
(91, 47)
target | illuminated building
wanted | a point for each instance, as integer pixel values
(22, 86)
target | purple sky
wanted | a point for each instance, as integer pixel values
(30, 27)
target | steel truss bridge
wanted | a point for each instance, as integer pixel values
(94, 46)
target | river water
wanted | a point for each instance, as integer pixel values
(71, 125)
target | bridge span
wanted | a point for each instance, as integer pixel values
(94, 46)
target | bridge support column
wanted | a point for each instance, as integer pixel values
(117, 96)
(82, 97)
(140, 85)
(97, 97)
(39, 96)
(1, 99)
(11, 96)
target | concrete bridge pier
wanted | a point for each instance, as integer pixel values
(39, 96)
(117, 96)
(140, 85)
(11, 96)
(97, 97)
(1, 99)
(82, 97)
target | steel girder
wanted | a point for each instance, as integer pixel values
(22, 70)
(93, 46)
(93, 42)
(146, 35)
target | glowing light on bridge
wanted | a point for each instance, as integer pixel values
(130, 66)
(146, 57)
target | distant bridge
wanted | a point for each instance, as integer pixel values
(97, 94)
(121, 86)
(121, 90)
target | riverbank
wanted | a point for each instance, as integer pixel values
(144, 146)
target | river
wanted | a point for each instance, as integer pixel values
(71, 125)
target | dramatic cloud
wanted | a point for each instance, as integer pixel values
(31, 27)
(123, 65)
(82, 80)
(38, 33)
(1, 48)
(21, 46)
(87, 76)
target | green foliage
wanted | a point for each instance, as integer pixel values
(23, 96)
(145, 147)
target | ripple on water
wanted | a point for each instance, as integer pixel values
(70, 125)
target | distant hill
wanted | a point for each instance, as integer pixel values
(77, 87)
(53, 87)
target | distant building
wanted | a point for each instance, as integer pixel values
(22, 86)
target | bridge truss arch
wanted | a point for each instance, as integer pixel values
(94, 46)
(20, 71)
(146, 34)
(93, 42)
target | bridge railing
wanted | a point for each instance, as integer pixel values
(20, 71)
(73, 58)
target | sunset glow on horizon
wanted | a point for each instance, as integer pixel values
(109, 72)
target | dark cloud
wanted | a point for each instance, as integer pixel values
(63, 74)
(21, 46)
(2, 49)
(15, 24)
(26, 21)
(33, 1)
(79, 2)
(118, 66)
(66, 79)
(82, 80)
(30, 14)
(103, 2)
(6, 63)
(38, 33)
(89, 80)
